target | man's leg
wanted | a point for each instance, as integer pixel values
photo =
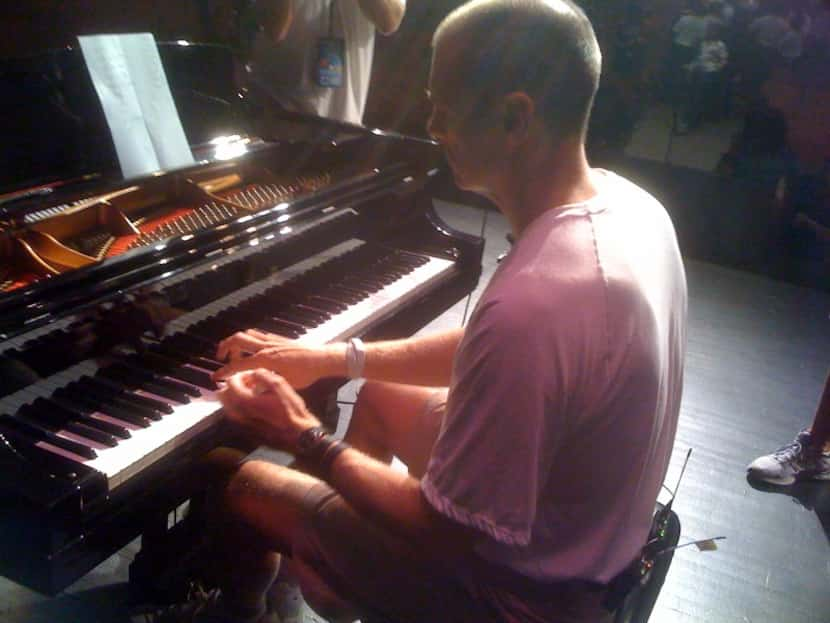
(390, 419)
(820, 430)
(266, 503)
(804, 457)
(346, 566)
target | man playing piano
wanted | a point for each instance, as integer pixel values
(538, 437)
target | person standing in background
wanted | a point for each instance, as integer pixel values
(805, 458)
(706, 88)
(315, 56)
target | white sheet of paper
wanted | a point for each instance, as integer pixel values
(129, 79)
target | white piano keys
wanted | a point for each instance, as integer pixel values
(378, 304)
(147, 445)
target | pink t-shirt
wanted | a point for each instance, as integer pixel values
(566, 389)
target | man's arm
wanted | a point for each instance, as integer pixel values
(423, 360)
(263, 404)
(395, 500)
(386, 15)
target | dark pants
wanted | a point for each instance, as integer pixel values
(387, 579)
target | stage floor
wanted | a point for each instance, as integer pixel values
(758, 353)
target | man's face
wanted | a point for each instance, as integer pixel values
(467, 125)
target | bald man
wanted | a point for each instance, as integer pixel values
(538, 437)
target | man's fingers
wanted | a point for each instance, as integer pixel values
(262, 381)
(247, 385)
(234, 366)
(260, 335)
(248, 341)
(237, 343)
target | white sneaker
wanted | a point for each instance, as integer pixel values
(798, 460)
(285, 600)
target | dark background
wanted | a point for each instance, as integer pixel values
(733, 216)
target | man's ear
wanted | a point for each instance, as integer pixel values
(519, 110)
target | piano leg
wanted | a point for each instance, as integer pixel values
(173, 548)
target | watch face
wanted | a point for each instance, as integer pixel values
(310, 439)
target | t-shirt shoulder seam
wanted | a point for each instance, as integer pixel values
(604, 283)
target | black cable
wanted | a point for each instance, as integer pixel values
(485, 214)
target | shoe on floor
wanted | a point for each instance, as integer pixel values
(205, 607)
(798, 460)
(285, 600)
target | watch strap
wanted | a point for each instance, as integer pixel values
(318, 447)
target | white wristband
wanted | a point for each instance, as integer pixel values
(355, 358)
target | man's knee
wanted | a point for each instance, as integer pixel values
(242, 486)
(370, 409)
(372, 395)
(258, 487)
(263, 489)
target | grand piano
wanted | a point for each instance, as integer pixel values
(114, 292)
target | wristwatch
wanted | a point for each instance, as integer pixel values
(312, 442)
(318, 447)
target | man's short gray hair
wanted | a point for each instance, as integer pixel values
(545, 48)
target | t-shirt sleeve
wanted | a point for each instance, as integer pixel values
(496, 444)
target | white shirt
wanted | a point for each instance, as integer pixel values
(285, 70)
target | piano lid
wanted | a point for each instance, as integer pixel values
(54, 129)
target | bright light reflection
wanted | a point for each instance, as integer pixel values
(183, 42)
(224, 140)
(254, 242)
(187, 237)
(281, 206)
(286, 230)
(231, 146)
(283, 218)
(228, 152)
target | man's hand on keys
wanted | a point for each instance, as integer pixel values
(299, 364)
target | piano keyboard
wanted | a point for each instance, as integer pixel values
(121, 417)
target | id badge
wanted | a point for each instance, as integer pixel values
(331, 62)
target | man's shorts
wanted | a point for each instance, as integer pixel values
(387, 579)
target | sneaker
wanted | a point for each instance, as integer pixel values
(797, 460)
(204, 607)
(285, 600)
